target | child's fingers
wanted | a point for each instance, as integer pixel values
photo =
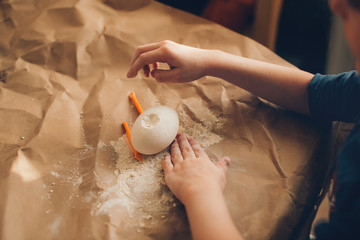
(145, 58)
(167, 164)
(198, 150)
(146, 70)
(224, 163)
(185, 147)
(176, 155)
(163, 75)
(155, 65)
(144, 48)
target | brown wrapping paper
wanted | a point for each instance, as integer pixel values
(66, 168)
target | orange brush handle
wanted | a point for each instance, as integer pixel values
(128, 133)
(136, 103)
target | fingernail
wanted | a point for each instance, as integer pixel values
(131, 75)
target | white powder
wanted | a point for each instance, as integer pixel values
(140, 192)
(140, 187)
(203, 131)
(55, 174)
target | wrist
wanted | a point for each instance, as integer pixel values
(200, 194)
(217, 63)
(205, 210)
(210, 62)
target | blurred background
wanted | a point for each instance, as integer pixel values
(305, 33)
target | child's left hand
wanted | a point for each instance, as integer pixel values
(189, 172)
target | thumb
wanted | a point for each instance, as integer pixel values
(162, 75)
(223, 163)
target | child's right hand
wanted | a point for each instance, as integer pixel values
(185, 63)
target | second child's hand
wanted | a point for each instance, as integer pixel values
(185, 63)
(284, 86)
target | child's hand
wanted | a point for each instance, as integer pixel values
(189, 172)
(185, 63)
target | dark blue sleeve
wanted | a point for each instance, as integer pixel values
(345, 220)
(335, 97)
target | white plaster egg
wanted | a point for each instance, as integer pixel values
(154, 130)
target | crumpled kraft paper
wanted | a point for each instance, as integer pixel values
(66, 168)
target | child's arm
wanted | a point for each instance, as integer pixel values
(199, 184)
(209, 217)
(284, 86)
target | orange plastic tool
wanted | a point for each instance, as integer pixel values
(128, 133)
(126, 126)
(135, 101)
